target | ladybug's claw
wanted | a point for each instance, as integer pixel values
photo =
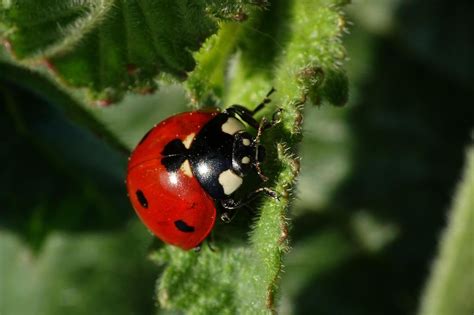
(226, 217)
(276, 118)
(259, 172)
(271, 193)
(212, 248)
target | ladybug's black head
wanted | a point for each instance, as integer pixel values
(245, 154)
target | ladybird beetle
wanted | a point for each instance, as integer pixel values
(189, 164)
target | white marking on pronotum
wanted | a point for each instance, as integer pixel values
(188, 140)
(246, 142)
(232, 126)
(245, 160)
(230, 181)
(186, 168)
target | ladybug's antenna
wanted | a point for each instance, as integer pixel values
(265, 101)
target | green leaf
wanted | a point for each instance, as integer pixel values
(296, 48)
(67, 102)
(109, 46)
(234, 9)
(269, 46)
(77, 273)
(450, 287)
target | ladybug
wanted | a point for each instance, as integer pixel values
(190, 164)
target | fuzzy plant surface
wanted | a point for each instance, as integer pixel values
(296, 48)
(109, 46)
(227, 52)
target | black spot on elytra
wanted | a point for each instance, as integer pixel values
(145, 136)
(141, 198)
(183, 227)
(174, 154)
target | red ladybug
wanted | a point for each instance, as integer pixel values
(189, 163)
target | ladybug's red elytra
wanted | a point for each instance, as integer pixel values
(190, 163)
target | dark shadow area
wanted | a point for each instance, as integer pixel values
(55, 175)
(440, 33)
(410, 127)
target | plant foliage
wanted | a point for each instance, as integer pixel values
(110, 47)
(294, 47)
(376, 181)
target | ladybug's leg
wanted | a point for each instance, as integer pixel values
(230, 205)
(263, 125)
(228, 214)
(210, 241)
(198, 248)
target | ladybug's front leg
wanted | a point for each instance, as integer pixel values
(231, 205)
(264, 124)
(228, 215)
(208, 241)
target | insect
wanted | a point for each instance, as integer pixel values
(192, 163)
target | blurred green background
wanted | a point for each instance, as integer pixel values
(377, 178)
